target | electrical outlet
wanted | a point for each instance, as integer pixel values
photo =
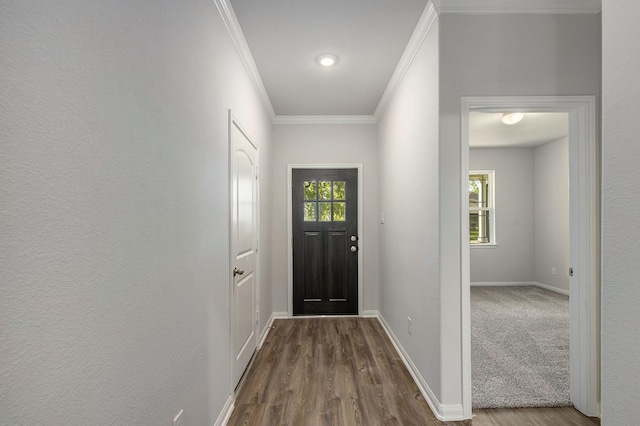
(553, 271)
(409, 325)
(178, 420)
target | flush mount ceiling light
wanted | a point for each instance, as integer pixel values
(327, 60)
(512, 117)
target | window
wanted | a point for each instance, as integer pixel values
(482, 216)
(325, 201)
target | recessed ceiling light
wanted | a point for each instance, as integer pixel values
(327, 60)
(512, 117)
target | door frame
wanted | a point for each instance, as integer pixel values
(361, 236)
(233, 122)
(584, 238)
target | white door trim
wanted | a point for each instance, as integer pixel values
(361, 236)
(584, 240)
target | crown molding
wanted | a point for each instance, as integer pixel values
(233, 26)
(431, 12)
(324, 119)
(518, 6)
(422, 29)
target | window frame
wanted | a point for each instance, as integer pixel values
(491, 208)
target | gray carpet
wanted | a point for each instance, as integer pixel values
(519, 347)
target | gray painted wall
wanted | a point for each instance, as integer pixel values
(532, 215)
(409, 260)
(551, 206)
(325, 144)
(620, 207)
(512, 259)
(498, 55)
(114, 265)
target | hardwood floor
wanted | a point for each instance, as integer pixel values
(345, 371)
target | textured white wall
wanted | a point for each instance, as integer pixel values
(114, 221)
(512, 260)
(620, 207)
(498, 55)
(325, 144)
(409, 261)
(551, 200)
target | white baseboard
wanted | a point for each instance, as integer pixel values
(501, 283)
(284, 315)
(224, 415)
(267, 327)
(449, 412)
(520, 283)
(552, 288)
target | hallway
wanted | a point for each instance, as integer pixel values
(116, 195)
(328, 371)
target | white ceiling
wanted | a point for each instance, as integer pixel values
(279, 41)
(286, 36)
(486, 130)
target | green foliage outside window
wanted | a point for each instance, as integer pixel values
(325, 201)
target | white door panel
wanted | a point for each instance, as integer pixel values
(245, 298)
(244, 208)
(245, 203)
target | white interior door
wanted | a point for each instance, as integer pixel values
(244, 203)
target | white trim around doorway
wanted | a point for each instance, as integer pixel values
(584, 240)
(362, 238)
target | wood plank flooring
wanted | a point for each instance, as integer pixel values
(345, 371)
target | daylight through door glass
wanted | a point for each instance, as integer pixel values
(325, 201)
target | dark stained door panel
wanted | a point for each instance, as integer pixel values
(325, 241)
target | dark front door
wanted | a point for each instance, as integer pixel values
(325, 241)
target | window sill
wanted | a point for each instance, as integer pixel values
(483, 246)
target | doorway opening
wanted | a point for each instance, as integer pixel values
(583, 237)
(519, 259)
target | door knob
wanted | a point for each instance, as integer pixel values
(354, 249)
(237, 271)
(354, 238)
